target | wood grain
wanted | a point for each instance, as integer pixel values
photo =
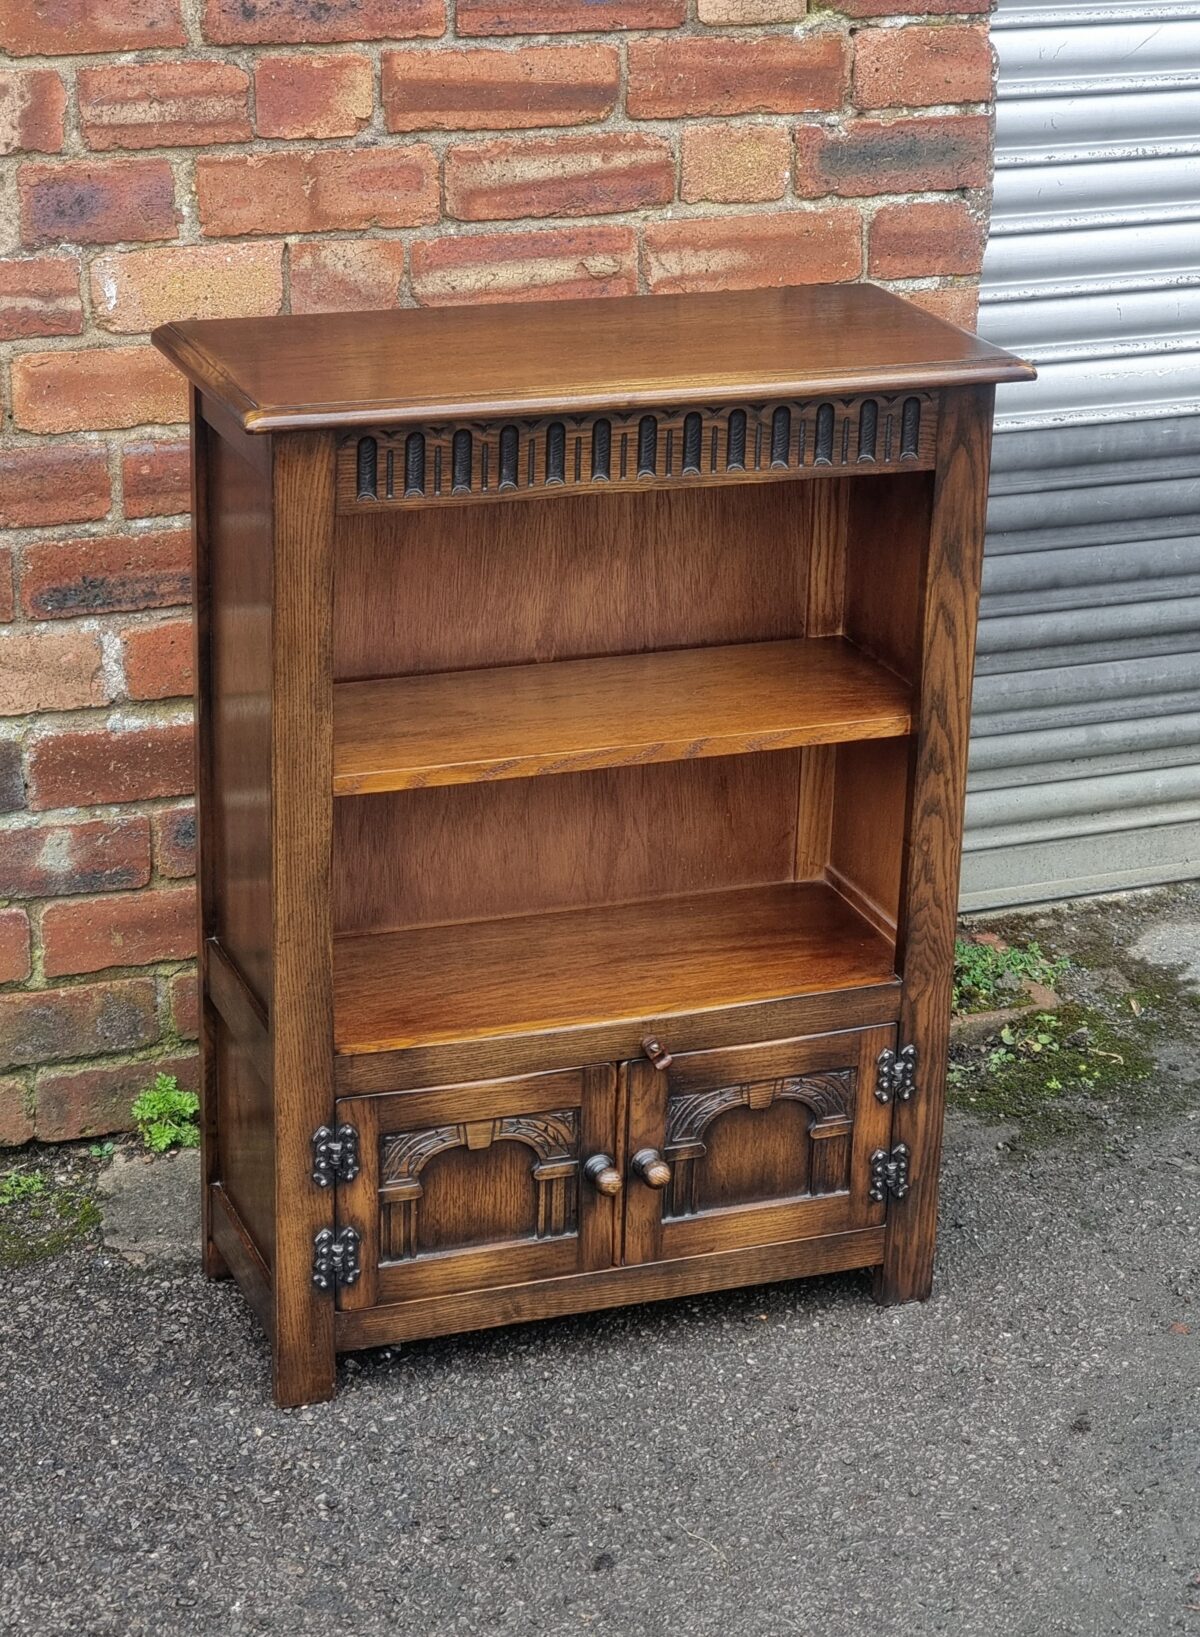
(583, 578)
(642, 960)
(351, 369)
(405, 733)
(472, 852)
(301, 1009)
(932, 855)
(584, 1292)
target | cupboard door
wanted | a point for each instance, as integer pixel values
(753, 1145)
(472, 1186)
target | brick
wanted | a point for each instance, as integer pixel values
(731, 164)
(93, 1102)
(107, 574)
(565, 16)
(14, 945)
(921, 66)
(158, 660)
(156, 478)
(778, 74)
(7, 596)
(175, 841)
(58, 483)
(915, 240)
(893, 156)
(33, 102)
(185, 1005)
(95, 387)
(50, 671)
(746, 13)
(956, 303)
(344, 275)
(316, 22)
(16, 1117)
(486, 89)
(751, 252)
(314, 190)
(130, 929)
(560, 264)
(93, 766)
(895, 8)
(164, 105)
(40, 296)
(559, 176)
(67, 27)
(134, 290)
(313, 95)
(47, 1025)
(12, 777)
(97, 201)
(53, 860)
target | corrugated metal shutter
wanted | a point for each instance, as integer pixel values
(1085, 760)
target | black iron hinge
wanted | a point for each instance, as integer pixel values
(335, 1258)
(335, 1155)
(896, 1075)
(889, 1172)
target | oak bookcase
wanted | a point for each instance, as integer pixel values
(583, 694)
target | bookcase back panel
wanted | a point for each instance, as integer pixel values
(443, 590)
(472, 852)
(887, 536)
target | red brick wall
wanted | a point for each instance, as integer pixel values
(178, 158)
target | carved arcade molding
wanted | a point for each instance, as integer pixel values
(828, 1096)
(553, 1138)
(494, 460)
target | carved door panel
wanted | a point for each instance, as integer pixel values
(753, 1145)
(472, 1186)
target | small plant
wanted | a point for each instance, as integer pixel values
(18, 1187)
(989, 976)
(102, 1150)
(166, 1116)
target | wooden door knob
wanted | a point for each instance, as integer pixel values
(603, 1174)
(651, 1167)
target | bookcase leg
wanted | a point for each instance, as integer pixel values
(929, 889)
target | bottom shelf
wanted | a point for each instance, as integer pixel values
(481, 979)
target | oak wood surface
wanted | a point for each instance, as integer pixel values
(239, 1253)
(582, 578)
(301, 1007)
(566, 970)
(352, 369)
(933, 846)
(520, 846)
(741, 1023)
(463, 1187)
(584, 1292)
(514, 722)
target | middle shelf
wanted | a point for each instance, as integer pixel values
(511, 722)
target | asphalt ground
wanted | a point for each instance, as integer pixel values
(1019, 1457)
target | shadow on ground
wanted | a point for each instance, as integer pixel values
(1020, 1456)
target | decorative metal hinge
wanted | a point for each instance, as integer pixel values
(335, 1155)
(889, 1172)
(896, 1075)
(335, 1258)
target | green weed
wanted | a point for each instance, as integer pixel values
(166, 1116)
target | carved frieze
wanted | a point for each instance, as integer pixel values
(447, 463)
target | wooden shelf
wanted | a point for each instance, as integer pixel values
(468, 727)
(482, 979)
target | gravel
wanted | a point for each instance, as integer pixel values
(1019, 1456)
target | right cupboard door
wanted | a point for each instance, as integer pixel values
(753, 1145)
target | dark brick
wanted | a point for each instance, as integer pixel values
(54, 860)
(86, 1020)
(91, 1102)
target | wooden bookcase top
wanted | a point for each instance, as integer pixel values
(362, 369)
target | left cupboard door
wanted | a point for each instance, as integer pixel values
(468, 1187)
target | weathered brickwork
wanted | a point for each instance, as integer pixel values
(196, 158)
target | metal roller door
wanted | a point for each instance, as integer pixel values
(1085, 758)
